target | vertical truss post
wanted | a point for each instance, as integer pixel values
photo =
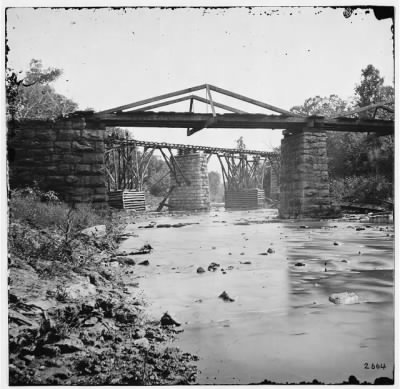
(211, 100)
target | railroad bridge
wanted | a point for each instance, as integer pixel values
(69, 155)
(243, 172)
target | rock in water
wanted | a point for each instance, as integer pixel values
(213, 266)
(224, 296)
(344, 298)
(167, 320)
(200, 270)
(144, 263)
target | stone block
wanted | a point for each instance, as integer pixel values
(63, 145)
(82, 146)
(68, 134)
(91, 181)
(71, 179)
(63, 125)
(93, 158)
(83, 168)
(97, 168)
(90, 134)
(68, 158)
(78, 124)
(45, 135)
(64, 168)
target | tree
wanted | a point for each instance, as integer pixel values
(158, 177)
(31, 97)
(216, 187)
(240, 144)
(322, 106)
(357, 157)
(372, 90)
(368, 91)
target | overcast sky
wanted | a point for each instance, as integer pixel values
(278, 55)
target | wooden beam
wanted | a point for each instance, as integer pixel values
(153, 99)
(189, 97)
(162, 104)
(219, 105)
(196, 121)
(190, 110)
(362, 109)
(211, 100)
(253, 101)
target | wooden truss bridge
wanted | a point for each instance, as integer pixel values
(127, 161)
(141, 114)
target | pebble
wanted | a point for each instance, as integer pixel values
(200, 270)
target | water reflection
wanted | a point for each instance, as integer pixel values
(281, 326)
(340, 259)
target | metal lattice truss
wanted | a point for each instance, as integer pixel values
(126, 163)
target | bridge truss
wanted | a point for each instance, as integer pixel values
(127, 162)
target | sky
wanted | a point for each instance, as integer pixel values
(279, 55)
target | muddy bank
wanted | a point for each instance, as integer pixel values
(282, 325)
(85, 322)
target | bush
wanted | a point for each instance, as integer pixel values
(362, 189)
(44, 228)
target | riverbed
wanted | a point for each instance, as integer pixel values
(281, 325)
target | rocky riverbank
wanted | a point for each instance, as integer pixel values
(75, 319)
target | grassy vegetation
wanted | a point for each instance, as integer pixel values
(44, 228)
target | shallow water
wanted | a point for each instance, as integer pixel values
(281, 327)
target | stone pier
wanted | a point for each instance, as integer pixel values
(273, 186)
(304, 185)
(195, 196)
(65, 156)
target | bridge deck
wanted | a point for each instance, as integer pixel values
(198, 121)
(176, 146)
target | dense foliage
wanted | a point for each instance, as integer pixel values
(32, 96)
(361, 165)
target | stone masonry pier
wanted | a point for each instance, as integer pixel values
(195, 196)
(304, 184)
(66, 156)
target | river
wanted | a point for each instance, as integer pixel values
(281, 326)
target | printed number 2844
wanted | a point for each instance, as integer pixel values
(374, 366)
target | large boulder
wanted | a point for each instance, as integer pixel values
(344, 298)
(98, 231)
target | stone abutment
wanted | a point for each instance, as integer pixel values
(65, 156)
